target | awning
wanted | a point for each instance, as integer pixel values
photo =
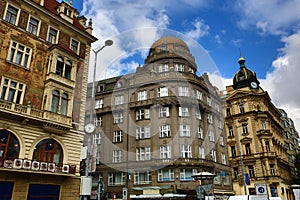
(157, 196)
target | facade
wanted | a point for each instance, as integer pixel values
(158, 127)
(44, 53)
(256, 140)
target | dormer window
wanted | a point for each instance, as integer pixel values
(68, 12)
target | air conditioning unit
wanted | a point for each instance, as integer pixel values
(65, 169)
(51, 167)
(35, 165)
(26, 164)
(44, 166)
(8, 164)
(18, 163)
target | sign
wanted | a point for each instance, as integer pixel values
(261, 188)
(124, 193)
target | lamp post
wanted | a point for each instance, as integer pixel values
(90, 128)
(241, 159)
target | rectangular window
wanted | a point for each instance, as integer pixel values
(233, 151)
(165, 130)
(142, 95)
(162, 92)
(198, 114)
(223, 158)
(213, 155)
(142, 113)
(186, 174)
(97, 138)
(52, 35)
(248, 149)
(221, 140)
(228, 113)
(118, 136)
(19, 54)
(143, 153)
(185, 130)
(230, 131)
(74, 46)
(179, 67)
(165, 152)
(201, 153)
(99, 103)
(211, 135)
(98, 120)
(264, 124)
(244, 128)
(33, 26)
(242, 109)
(236, 172)
(251, 171)
(163, 112)
(142, 133)
(119, 100)
(184, 111)
(186, 151)
(164, 67)
(142, 177)
(267, 143)
(272, 170)
(199, 95)
(117, 156)
(209, 101)
(166, 175)
(116, 178)
(209, 118)
(183, 91)
(118, 117)
(11, 15)
(200, 133)
(12, 91)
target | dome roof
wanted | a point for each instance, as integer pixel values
(169, 40)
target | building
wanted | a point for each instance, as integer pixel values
(159, 126)
(256, 138)
(44, 54)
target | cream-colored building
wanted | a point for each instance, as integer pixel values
(256, 138)
(44, 53)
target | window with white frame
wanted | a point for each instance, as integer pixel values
(200, 133)
(142, 177)
(184, 111)
(221, 140)
(251, 171)
(220, 124)
(117, 156)
(99, 103)
(98, 158)
(162, 92)
(33, 25)
(186, 151)
(184, 130)
(97, 138)
(143, 153)
(244, 128)
(199, 95)
(117, 178)
(142, 133)
(63, 67)
(142, 113)
(166, 175)
(119, 100)
(179, 67)
(163, 67)
(118, 117)
(211, 135)
(19, 54)
(217, 107)
(142, 95)
(198, 114)
(59, 103)
(165, 152)
(201, 152)
(165, 130)
(209, 118)
(272, 170)
(213, 155)
(74, 45)
(183, 91)
(209, 101)
(12, 14)
(230, 131)
(223, 158)
(52, 35)
(118, 136)
(163, 112)
(98, 120)
(12, 90)
(186, 174)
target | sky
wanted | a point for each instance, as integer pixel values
(266, 33)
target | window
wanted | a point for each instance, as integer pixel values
(63, 68)
(263, 124)
(12, 91)
(142, 133)
(272, 170)
(98, 120)
(242, 109)
(184, 111)
(19, 54)
(59, 101)
(99, 103)
(209, 101)
(198, 114)
(164, 67)
(236, 172)
(201, 153)
(209, 118)
(165, 152)
(116, 178)
(117, 156)
(228, 113)
(11, 15)
(118, 136)
(223, 158)
(162, 92)
(142, 113)
(200, 133)
(33, 26)
(217, 178)
(119, 100)
(97, 138)
(267, 143)
(163, 112)
(143, 153)
(199, 95)
(233, 151)
(165, 130)
(179, 67)
(248, 149)
(118, 117)
(183, 91)
(244, 128)
(221, 140)
(230, 131)
(213, 155)
(186, 174)
(52, 35)
(142, 177)
(74, 46)
(251, 171)
(211, 135)
(166, 175)
(191, 70)
(185, 130)
(186, 151)
(48, 150)
(142, 95)
(64, 104)
(9, 145)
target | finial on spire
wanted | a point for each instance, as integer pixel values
(71, 2)
(241, 60)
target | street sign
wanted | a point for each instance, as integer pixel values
(260, 188)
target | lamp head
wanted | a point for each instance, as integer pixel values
(108, 42)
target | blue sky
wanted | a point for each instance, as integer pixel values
(267, 33)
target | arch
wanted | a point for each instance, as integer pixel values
(10, 145)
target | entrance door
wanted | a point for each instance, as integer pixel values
(43, 192)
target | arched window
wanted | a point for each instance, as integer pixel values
(48, 150)
(64, 104)
(60, 66)
(9, 145)
(68, 69)
(55, 101)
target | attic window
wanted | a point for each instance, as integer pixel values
(67, 12)
(100, 88)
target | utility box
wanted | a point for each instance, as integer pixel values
(86, 186)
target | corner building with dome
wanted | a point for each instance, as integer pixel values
(158, 127)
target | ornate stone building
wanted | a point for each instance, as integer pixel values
(159, 126)
(44, 53)
(256, 139)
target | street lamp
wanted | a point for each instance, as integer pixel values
(90, 128)
(241, 159)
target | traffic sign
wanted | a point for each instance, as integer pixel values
(261, 188)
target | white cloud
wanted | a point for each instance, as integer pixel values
(200, 29)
